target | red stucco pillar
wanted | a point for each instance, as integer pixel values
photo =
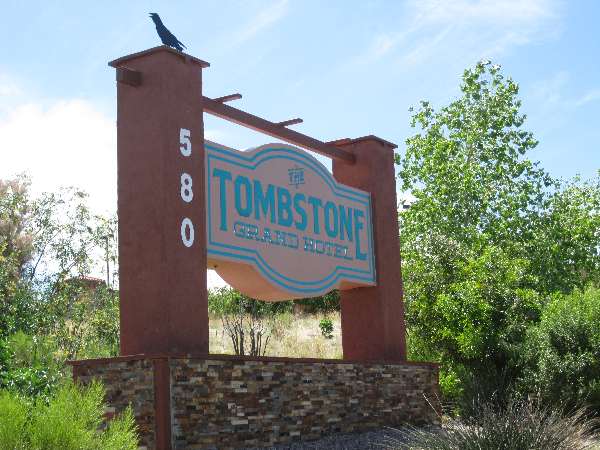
(373, 317)
(161, 203)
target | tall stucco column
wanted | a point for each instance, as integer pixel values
(161, 203)
(373, 317)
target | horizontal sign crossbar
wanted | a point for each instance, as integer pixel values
(228, 98)
(287, 123)
(253, 122)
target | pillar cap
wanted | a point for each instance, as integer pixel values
(161, 48)
(370, 137)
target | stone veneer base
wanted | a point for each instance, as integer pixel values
(231, 402)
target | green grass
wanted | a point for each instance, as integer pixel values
(71, 420)
(13, 418)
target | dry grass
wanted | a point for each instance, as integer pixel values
(520, 425)
(294, 336)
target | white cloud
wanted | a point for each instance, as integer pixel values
(8, 88)
(425, 48)
(551, 98)
(215, 135)
(588, 97)
(383, 43)
(467, 29)
(511, 12)
(548, 92)
(266, 17)
(10, 93)
(551, 101)
(69, 143)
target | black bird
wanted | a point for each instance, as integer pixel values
(165, 35)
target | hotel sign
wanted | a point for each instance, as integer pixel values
(279, 226)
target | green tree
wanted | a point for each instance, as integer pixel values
(16, 249)
(491, 235)
(15, 214)
(47, 245)
(68, 237)
(468, 167)
(565, 251)
(470, 289)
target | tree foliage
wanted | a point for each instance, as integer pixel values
(565, 252)
(468, 166)
(562, 352)
(491, 235)
(48, 247)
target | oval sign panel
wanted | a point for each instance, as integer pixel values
(280, 227)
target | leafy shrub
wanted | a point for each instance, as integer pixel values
(121, 433)
(562, 353)
(104, 324)
(27, 365)
(326, 326)
(474, 325)
(450, 380)
(70, 420)
(32, 382)
(13, 417)
(226, 300)
(84, 323)
(520, 425)
(327, 303)
(17, 305)
(30, 350)
(4, 360)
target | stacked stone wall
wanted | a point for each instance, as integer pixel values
(234, 403)
(127, 382)
(224, 402)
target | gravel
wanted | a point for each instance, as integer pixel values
(372, 440)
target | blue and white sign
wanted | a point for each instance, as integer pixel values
(279, 226)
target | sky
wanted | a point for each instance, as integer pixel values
(349, 68)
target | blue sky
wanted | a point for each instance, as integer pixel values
(348, 68)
